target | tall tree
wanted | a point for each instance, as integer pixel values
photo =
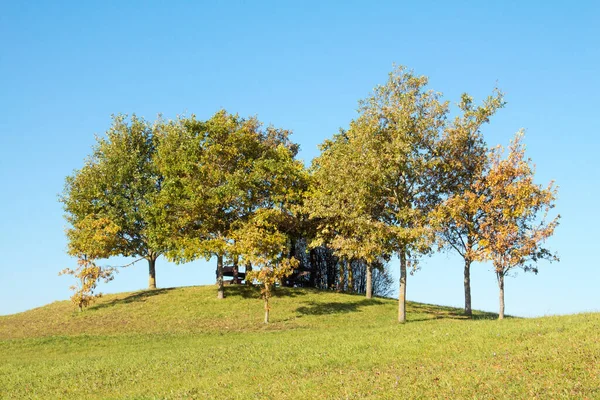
(400, 124)
(214, 179)
(514, 223)
(119, 183)
(464, 163)
(383, 174)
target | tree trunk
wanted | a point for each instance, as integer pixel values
(220, 290)
(500, 276)
(350, 278)
(152, 273)
(235, 271)
(369, 284)
(248, 269)
(266, 310)
(402, 291)
(313, 268)
(467, 282)
(341, 272)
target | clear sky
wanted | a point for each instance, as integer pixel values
(65, 67)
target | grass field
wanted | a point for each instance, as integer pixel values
(184, 343)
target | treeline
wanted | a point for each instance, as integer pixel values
(403, 180)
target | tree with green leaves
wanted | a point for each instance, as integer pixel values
(119, 185)
(514, 221)
(399, 125)
(464, 163)
(214, 179)
(387, 172)
(345, 217)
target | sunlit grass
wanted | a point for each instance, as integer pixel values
(184, 343)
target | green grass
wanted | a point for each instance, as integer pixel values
(184, 343)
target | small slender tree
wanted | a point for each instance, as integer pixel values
(103, 234)
(88, 275)
(514, 223)
(464, 163)
(260, 242)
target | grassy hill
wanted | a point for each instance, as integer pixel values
(184, 343)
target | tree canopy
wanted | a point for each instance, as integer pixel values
(402, 177)
(117, 188)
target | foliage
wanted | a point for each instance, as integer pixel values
(88, 275)
(117, 186)
(463, 165)
(338, 201)
(398, 179)
(514, 223)
(375, 181)
(217, 174)
(261, 243)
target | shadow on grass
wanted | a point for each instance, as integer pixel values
(253, 291)
(314, 308)
(433, 311)
(132, 298)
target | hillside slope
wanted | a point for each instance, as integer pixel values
(184, 343)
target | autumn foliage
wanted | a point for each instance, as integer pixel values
(88, 275)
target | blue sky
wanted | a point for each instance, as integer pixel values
(65, 67)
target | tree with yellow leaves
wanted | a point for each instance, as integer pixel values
(261, 242)
(514, 221)
(216, 174)
(103, 233)
(464, 163)
(88, 274)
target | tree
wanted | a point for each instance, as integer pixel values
(514, 223)
(260, 242)
(88, 274)
(119, 184)
(464, 163)
(104, 234)
(338, 202)
(214, 179)
(376, 181)
(396, 133)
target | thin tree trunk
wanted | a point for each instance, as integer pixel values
(402, 291)
(292, 248)
(467, 276)
(235, 270)
(369, 284)
(341, 272)
(220, 289)
(152, 273)
(266, 310)
(467, 282)
(350, 278)
(500, 276)
(248, 269)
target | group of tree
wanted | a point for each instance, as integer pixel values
(404, 180)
